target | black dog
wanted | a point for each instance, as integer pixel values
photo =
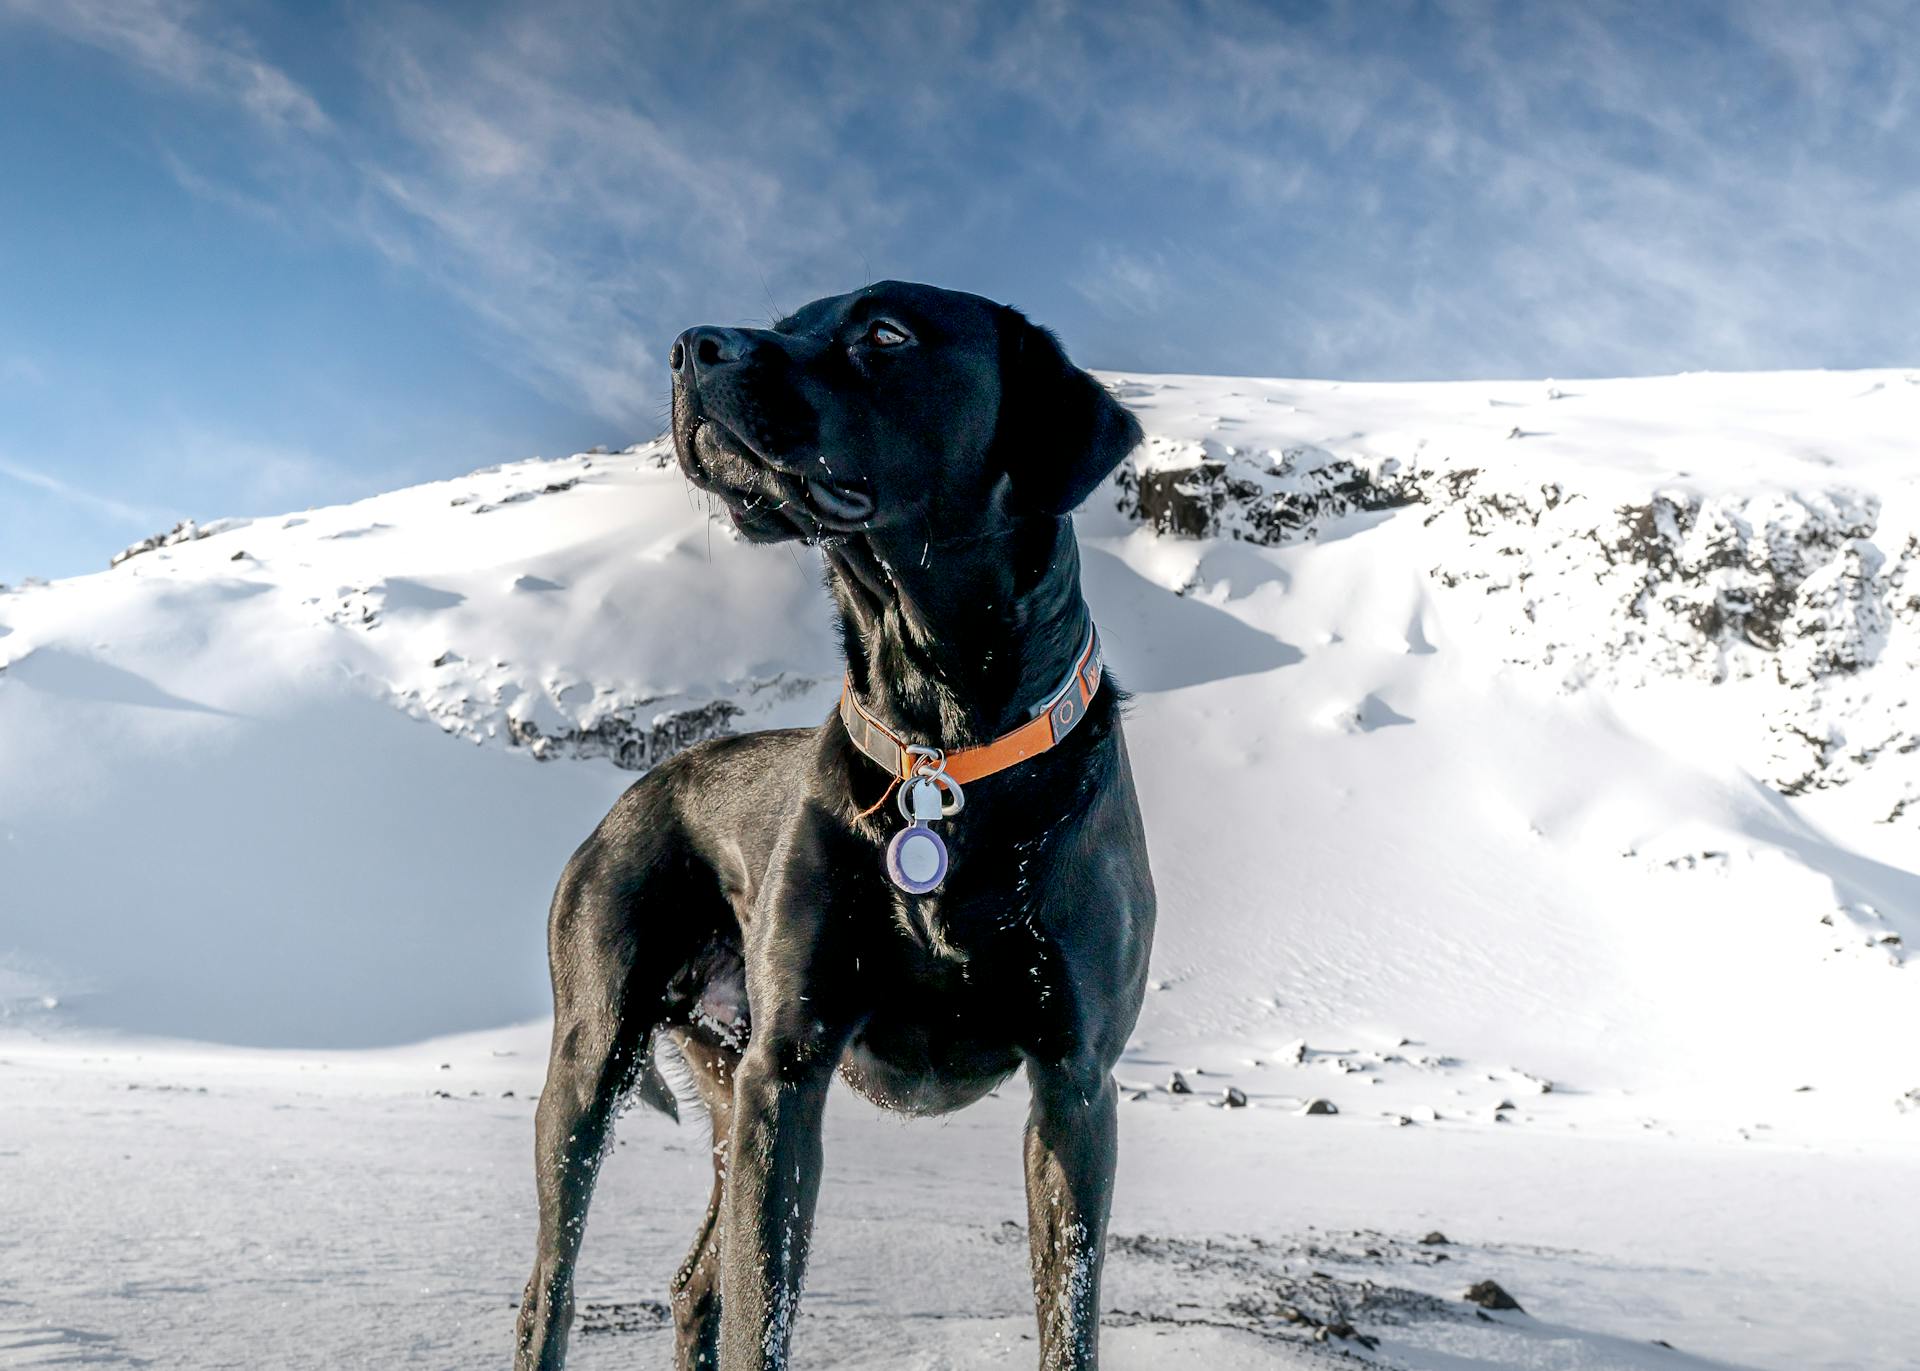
(741, 906)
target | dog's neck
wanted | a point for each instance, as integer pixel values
(954, 643)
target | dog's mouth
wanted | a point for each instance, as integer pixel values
(765, 499)
(839, 502)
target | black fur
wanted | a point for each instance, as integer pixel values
(734, 908)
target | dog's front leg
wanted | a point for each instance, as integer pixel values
(797, 988)
(1072, 1145)
(773, 1179)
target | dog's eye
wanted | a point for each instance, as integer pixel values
(885, 335)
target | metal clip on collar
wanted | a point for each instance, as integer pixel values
(929, 783)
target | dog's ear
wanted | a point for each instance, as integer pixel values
(1059, 432)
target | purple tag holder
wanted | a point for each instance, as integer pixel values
(917, 859)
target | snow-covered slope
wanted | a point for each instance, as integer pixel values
(1518, 759)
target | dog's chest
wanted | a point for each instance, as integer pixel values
(968, 975)
(992, 905)
(928, 1046)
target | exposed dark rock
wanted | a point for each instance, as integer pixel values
(629, 1317)
(1435, 1239)
(1781, 584)
(1268, 498)
(1186, 502)
(628, 743)
(1800, 572)
(1320, 1107)
(1233, 1097)
(1177, 1085)
(1489, 1295)
(186, 531)
(1256, 1284)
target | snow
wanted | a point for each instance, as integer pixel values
(1530, 772)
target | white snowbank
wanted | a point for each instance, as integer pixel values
(1495, 737)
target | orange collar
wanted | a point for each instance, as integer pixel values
(1051, 723)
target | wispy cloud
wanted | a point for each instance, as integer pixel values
(71, 494)
(179, 43)
(255, 474)
(1120, 279)
(1374, 190)
(543, 184)
(218, 191)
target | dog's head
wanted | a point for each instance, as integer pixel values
(899, 407)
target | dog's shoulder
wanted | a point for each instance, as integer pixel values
(732, 753)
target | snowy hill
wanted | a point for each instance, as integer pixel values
(1530, 770)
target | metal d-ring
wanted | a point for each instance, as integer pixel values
(930, 764)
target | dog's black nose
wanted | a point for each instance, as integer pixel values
(700, 350)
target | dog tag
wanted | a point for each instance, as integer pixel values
(917, 858)
(924, 801)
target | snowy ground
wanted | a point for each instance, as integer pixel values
(169, 1206)
(1540, 746)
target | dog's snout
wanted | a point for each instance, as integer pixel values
(700, 350)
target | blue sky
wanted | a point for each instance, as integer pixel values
(256, 257)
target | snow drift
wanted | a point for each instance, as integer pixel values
(1453, 700)
(1522, 754)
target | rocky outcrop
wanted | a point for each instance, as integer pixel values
(1787, 584)
(1204, 489)
(1792, 591)
(628, 742)
(1787, 591)
(1491, 1295)
(186, 531)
